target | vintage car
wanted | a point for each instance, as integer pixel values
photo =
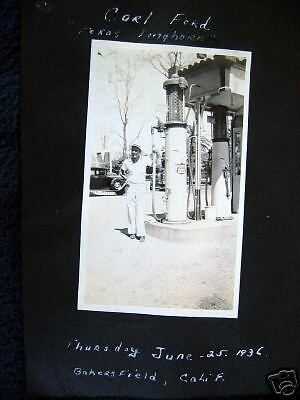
(104, 182)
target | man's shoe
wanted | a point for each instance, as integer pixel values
(142, 238)
(132, 236)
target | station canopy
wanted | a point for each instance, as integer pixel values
(216, 80)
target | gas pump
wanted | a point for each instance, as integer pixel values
(219, 155)
(221, 182)
(175, 151)
(236, 162)
(183, 156)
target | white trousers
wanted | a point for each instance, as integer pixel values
(135, 207)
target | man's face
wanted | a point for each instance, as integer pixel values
(135, 154)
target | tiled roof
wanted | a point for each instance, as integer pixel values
(207, 59)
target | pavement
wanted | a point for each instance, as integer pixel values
(184, 274)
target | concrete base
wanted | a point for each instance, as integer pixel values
(210, 213)
(194, 231)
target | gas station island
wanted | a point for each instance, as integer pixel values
(213, 88)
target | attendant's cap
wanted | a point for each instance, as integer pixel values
(136, 146)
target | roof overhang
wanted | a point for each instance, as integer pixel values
(217, 81)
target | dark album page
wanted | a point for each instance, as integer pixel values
(159, 198)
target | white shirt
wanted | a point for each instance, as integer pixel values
(136, 172)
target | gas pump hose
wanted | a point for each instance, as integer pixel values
(153, 190)
(206, 183)
(154, 179)
(191, 185)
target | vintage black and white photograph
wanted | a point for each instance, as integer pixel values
(164, 180)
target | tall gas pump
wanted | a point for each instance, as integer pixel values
(175, 150)
(221, 170)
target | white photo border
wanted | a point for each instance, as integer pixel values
(81, 305)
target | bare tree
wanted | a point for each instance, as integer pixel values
(170, 63)
(104, 140)
(125, 77)
(139, 133)
(164, 64)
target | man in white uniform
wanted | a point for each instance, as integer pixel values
(134, 169)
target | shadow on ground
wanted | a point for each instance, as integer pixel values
(124, 231)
